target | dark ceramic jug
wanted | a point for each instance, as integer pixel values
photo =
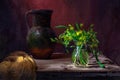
(39, 34)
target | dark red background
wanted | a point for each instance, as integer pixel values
(105, 14)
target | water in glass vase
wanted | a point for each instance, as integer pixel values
(80, 57)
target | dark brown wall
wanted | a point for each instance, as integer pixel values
(105, 14)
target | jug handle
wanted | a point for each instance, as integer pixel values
(26, 19)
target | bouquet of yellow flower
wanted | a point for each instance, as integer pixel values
(84, 42)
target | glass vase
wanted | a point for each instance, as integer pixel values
(80, 57)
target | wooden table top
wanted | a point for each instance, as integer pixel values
(60, 62)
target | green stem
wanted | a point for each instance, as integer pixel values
(98, 61)
(79, 48)
(77, 51)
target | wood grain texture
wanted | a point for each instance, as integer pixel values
(62, 63)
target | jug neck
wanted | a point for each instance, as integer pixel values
(42, 18)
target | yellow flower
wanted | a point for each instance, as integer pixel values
(81, 25)
(71, 27)
(78, 32)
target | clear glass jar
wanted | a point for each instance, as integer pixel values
(80, 57)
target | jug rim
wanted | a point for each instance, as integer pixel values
(40, 11)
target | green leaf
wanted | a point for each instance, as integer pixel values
(77, 26)
(91, 26)
(61, 26)
(53, 40)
